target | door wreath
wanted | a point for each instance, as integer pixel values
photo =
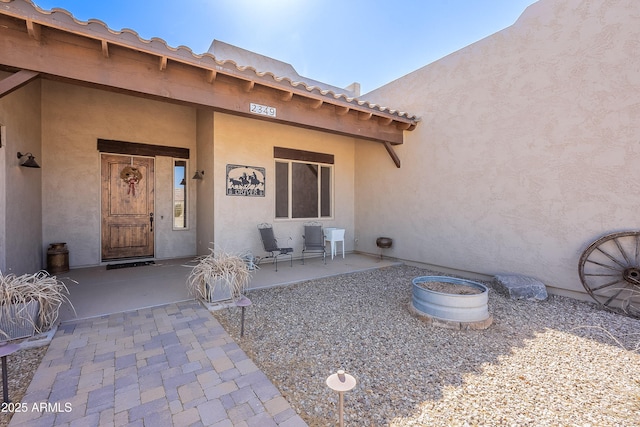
(131, 176)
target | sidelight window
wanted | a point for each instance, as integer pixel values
(179, 194)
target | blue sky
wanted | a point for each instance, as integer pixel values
(334, 41)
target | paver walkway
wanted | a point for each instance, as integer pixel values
(172, 365)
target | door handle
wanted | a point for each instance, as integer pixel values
(151, 221)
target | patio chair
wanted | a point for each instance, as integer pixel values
(313, 240)
(270, 244)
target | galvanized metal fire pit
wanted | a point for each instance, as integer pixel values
(455, 310)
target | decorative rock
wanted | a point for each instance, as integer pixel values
(523, 368)
(521, 287)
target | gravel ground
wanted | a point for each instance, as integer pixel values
(20, 369)
(560, 362)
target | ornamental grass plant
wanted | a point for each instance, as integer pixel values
(219, 268)
(41, 287)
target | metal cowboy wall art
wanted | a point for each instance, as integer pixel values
(246, 181)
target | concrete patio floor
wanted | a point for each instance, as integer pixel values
(140, 351)
(96, 291)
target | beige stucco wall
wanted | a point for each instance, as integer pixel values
(250, 142)
(20, 188)
(73, 119)
(205, 187)
(67, 208)
(527, 150)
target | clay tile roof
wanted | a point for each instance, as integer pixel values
(283, 76)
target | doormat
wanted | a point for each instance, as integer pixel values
(129, 264)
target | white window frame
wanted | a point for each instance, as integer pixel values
(320, 165)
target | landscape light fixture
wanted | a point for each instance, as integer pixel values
(341, 382)
(5, 350)
(30, 162)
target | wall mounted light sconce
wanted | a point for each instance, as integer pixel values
(30, 162)
(198, 175)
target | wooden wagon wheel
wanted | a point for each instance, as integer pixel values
(610, 272)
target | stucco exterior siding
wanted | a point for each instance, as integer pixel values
(73, 118)
(526, 149)
(20, 188)
(204, 188)
(249, 142)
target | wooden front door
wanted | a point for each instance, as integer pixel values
(127, 206)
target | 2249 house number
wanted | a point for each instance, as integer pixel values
(263, 110)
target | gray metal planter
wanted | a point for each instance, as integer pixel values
(451, 307)
(221, 291)
(19, 320)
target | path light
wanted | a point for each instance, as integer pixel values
(341, 382)
(5, 350)
(243, 302)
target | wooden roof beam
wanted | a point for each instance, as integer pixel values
(317, 104)
(287, 96)
(16, 81)
(341, 111)
(135, 72)
(384, 121)
(364, 116)
(105, 48)
(22, 11)
(392, 154)
(211, 75)
(163, 63)
(34, 30)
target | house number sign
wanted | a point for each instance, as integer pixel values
(263, 110)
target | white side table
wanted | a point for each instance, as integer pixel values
(333, 235)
